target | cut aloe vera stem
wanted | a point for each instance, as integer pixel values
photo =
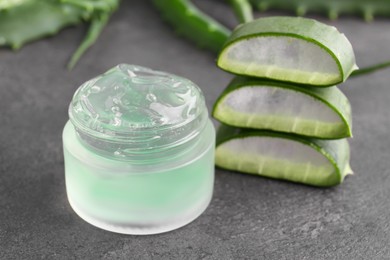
(281, 156)
(263, 104)
(292, 49)
(190, 22)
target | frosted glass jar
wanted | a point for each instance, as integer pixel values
(139, 151)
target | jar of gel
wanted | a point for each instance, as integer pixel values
(139, 151)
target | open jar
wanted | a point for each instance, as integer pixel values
(138, 151)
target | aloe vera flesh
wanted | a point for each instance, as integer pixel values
(290, 49)
(284, 157)
(316, 112)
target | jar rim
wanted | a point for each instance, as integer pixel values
(155, 110)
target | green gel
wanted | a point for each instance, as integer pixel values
(139, 151)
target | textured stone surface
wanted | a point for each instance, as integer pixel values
(249, 217)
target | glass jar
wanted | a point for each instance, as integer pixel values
(138, 151)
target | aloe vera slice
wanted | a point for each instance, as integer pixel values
(282, 156)
(292, 49)
(262, 104)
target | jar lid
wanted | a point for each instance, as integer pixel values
(131, 110)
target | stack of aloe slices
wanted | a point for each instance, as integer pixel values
(282, 115)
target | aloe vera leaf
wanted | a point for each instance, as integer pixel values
(7, 4)
(99, 12)
(262, 104)
(94, 31)
(32, 20)
(291, 49)
(242, 9)
(23, 21)
(193, 24)
(332, 8)
(281, 156)
(370, 69)
(94, 6)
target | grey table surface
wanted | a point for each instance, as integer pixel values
(249, 217)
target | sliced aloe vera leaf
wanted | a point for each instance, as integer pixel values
(263, 104)
(282, 156)
(292, 49)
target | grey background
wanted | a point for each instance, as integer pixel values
(249, 217)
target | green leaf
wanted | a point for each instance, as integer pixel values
(33, 20)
